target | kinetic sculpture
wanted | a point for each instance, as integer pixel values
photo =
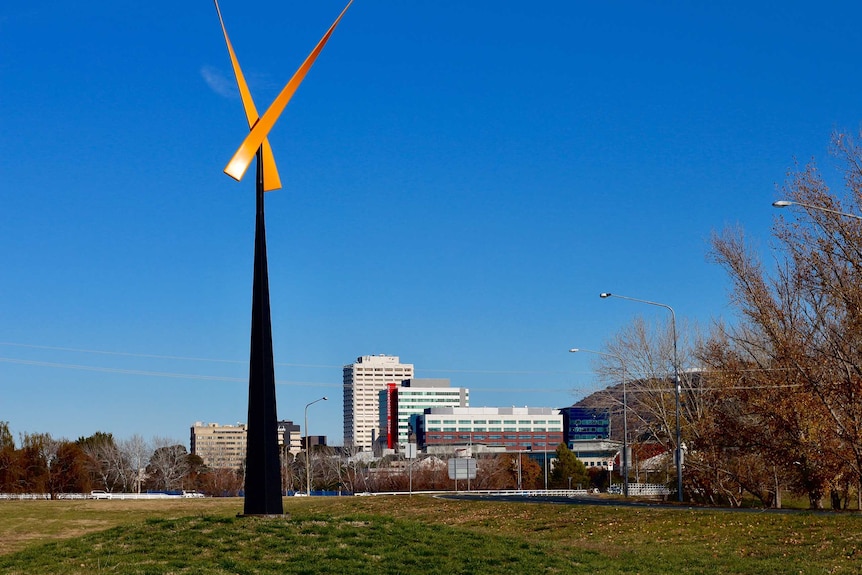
(263, 472)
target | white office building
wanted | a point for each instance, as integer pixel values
(536, 429)
(363, 382)
(402, 404)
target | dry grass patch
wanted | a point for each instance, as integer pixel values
(25, 522)
(393, 534)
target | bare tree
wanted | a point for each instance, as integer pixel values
(168, 464)
(494, 472)
(647, 351)
(222, 482)
(136, 452)
(328, 468)
(290, 476)
(107, 465)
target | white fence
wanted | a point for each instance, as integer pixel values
(492, 492)
(641, 490)
(541, 492)
(40, 496)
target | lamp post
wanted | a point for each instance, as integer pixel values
(625, 458)
(308, 447)
(546, 467)
(519, 470)
(677, 383)
(788, 203)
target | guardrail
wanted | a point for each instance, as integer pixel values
(491, 492)
(641, 490)
(79, 496)
(542, 492)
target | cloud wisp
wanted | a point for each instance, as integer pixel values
(219, 83)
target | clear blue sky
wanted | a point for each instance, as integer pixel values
(462, 179)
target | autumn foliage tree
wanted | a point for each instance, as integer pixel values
(794, 360)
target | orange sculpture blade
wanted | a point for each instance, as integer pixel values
(238, 165)
(271, 180)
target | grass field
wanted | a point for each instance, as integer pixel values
(388, 535)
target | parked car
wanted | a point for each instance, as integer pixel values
(99, 494)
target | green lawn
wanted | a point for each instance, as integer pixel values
(380, 535)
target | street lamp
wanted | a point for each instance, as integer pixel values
(788, 203)
(519, 470)
(308, 447)
(625, 458)
(677, 386)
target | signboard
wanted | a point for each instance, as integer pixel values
(462, 468)
(409, 450)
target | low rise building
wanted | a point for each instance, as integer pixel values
(536, 429)
(602, 453)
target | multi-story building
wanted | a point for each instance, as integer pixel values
(289, 437)
(363, 382)
(586, 423)
(401, 405)
(219, 446)
(313, 441)
(534, 429)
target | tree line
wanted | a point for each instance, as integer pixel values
(771, 399)
(332, 469)
(41, 464)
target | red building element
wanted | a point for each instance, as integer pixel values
(536, 441)
(391, 415)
